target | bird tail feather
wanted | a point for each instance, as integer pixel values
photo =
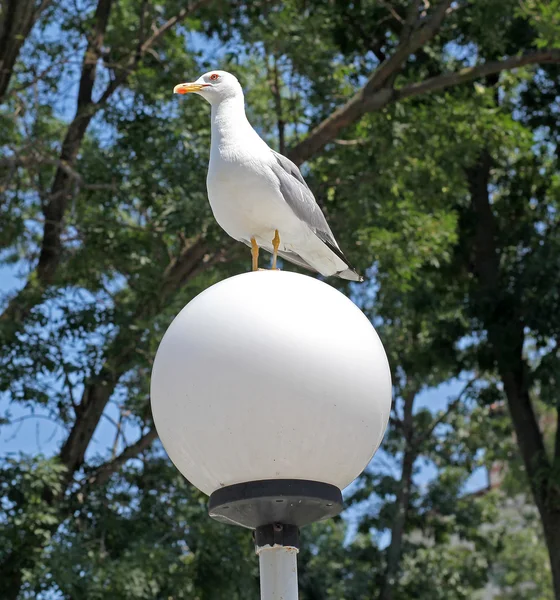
(350, 274)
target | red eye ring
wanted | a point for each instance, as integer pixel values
(214, 76)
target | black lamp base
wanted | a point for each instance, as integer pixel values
(287, 501)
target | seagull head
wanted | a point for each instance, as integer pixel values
(213, 86)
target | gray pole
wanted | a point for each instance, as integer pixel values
(278, 568)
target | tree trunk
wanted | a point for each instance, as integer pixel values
(403, 502)
(500, 311)
(12, 573)
(17, 18)
(62, 188)
(551, 524)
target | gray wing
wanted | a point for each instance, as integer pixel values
(295, 258)
(300, 198)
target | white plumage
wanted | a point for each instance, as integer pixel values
(255, 192)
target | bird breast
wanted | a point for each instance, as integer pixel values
(245, 196)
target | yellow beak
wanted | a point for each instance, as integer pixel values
(186, 88)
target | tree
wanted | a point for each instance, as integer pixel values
(104, 211)
(17, 18)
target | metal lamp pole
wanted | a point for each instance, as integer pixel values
(278, 561)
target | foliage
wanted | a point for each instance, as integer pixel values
(441, 184)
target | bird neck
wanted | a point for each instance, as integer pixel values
(229, 122)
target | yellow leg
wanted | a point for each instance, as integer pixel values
(275, 244)
(255, 254)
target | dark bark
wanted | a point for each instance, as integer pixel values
(62, 187)
(394, 550)
(500, 311)
(17, 18)
(11, 570)
(104, 472)
(93, 402)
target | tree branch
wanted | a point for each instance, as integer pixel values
(61, 189)
(16, 21)
(130, 65)
(121, 355)
(193, 258)
(275, 88)
(441, 82)
(373, 98)
(403, 498)
(104, 472)
(409, 43)
(34, 158)
(411, 18)
(450, 408)
(38, 77)
(499, 310)
(374, 94)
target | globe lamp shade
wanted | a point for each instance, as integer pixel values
(270, 375)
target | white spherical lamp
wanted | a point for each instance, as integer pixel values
(270, 376)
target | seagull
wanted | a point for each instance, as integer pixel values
(258, 196)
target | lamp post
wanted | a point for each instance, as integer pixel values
(271, 392)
